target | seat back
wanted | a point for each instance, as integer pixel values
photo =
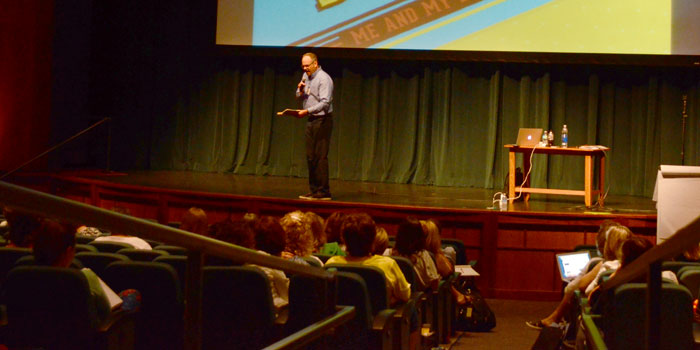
(352, 290)
(141, 254)
(49, 307)
(625, 319)
(8, 258)
(178, 262)
(306, 302)
(675, 266)
(97, 262)
(374, 279)
(323, 257)
(408, 270)
(84, 248)
(458, 245)
(159, 322)
(237, 308)
(109, 247)
(30, 261)
(689, 276)
(172, 249)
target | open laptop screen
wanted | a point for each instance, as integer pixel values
(571, 264)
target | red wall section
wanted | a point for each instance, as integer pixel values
(25, 80)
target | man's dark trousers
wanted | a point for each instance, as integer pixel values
(318, 139)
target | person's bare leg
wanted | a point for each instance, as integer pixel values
(562, 309)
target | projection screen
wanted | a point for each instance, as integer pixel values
(655, 27)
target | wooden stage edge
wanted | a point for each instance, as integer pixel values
(515, 249)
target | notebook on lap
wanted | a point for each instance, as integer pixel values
(571, 264)
(529, 137)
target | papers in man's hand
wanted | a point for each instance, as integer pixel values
(114, 300)
(465, 270)
(292, 112)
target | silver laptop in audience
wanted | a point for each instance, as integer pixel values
(571, 264)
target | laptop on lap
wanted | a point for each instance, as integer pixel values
(571, 264)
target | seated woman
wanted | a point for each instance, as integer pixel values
(445, 267)
(410, 244)
(195, 220)
(300, 237)
(381, 242)
(585, 278)
(358, 231)
(334, 244)
(54, 245)
(270, 239)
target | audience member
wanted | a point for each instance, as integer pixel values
(359, 232)
(334, 241)
(195, 220)
(317, 224)
(410, 243)
(300, 239)
(581, 282)
(433, 244)
(54, 245)
(612, 252)
(381, 241)
(445, 267)
(270, 239)
(21, 227)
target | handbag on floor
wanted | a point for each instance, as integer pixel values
(475, 315)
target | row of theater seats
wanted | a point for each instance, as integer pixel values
(622, 325)
(231, 313)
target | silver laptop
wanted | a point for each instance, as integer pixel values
(571, 264)
(529, 137)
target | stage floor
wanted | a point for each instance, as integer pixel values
(371, 192)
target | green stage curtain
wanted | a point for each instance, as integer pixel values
(441, 124)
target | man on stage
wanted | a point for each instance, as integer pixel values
(316, 91)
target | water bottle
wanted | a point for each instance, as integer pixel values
(564, 137)
(544, 141)
(503, 202)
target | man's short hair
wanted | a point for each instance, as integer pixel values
(51, 240)
(311, 55)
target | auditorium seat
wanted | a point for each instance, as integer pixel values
(306, 302)
(179, 263)
(30, 261)
(109, 247)
(97, 262)
(311, 261)
(8, 257)
(369, 329)
(141, 254)
(689, 276)
(79, 247)
(379, 298)
(624, 322)
(419, 299)
(237, 308)
(159, 322)
(172, 249)
(48, 307)
(675, 266)
(458, 246)
(323, 257)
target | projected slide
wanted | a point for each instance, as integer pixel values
(566, 26)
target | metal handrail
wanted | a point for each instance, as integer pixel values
(68, 210)
(47, 205)
(314, 331)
